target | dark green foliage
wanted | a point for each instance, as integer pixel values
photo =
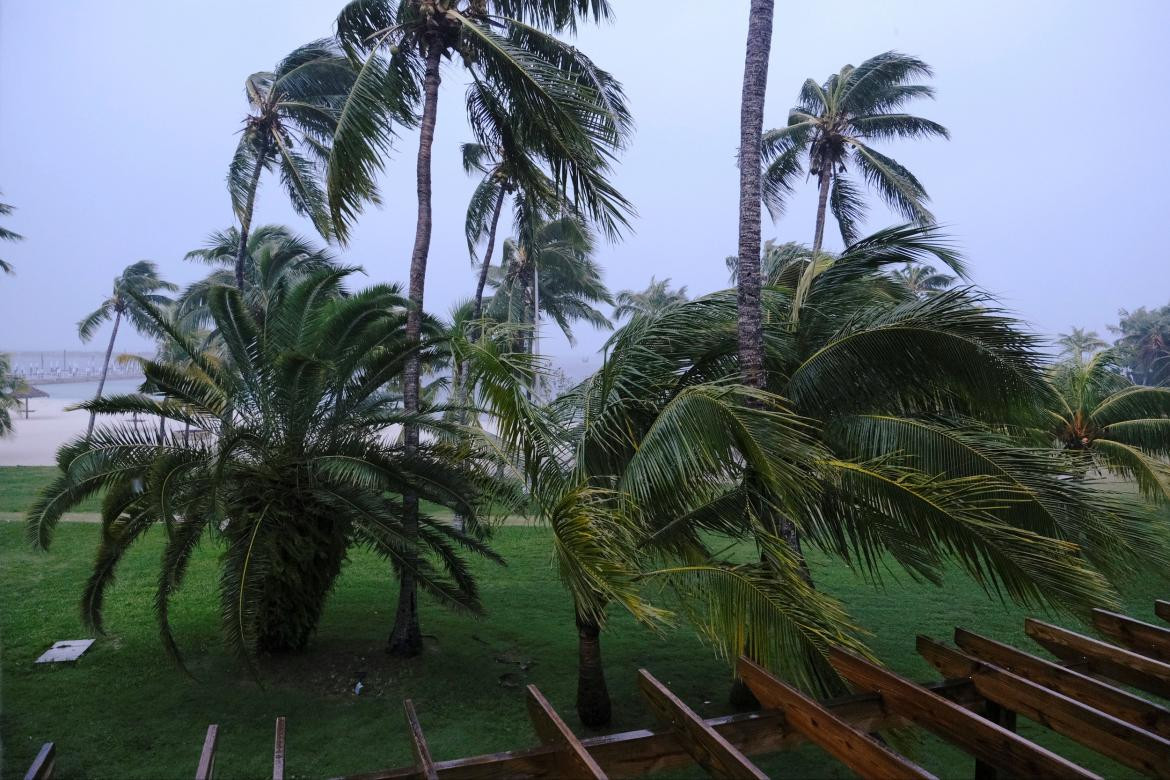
(1143, 342)
(281, 455)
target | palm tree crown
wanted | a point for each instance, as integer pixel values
(7, 235)
(1078, 342)
(656, 297)
(138, 282)
(923, 280)
(830, 131)
(293, 114)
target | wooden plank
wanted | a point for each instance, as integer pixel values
(1144, 638)
(642, 751)
(1102, 658)
(42, 766)
(851, 746)
(1109, 736)
(1162, 609)
(206, 768)
(1130, 708)
(709, 749)
(418, 744)
(572, 757)
(987, 741)
(278, 751)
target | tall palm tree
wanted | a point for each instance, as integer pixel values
(291, 469)
(656, 297)
(7, 235)
(275, 258)
(550, 271)
(571, 114)
(137, 283)
(1078, 342)
(831, 129)
(1119, 427)
(923, 280)
(294, 113)
(751, 126)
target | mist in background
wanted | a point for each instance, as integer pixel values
(118, 120)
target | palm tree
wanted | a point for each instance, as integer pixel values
(1117, 426)
(883, 436)
(832, 127)
(778, 264)
(751, 125)
(139, 282)
(8, 386)
(923, 280)
(290, 469)
(1078, 342)
(1144, 344)
(7, 235)
(275, 257)
(656, 297)
(294, 112)
(550, 270)
(570, 113)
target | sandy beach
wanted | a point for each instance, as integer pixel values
(34, 441)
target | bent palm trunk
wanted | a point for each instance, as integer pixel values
(593, 703)
(406, 636)
(487, 255)
(105, 370)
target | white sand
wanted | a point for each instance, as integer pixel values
(34, 441)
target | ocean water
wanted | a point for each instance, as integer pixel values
(83, 391)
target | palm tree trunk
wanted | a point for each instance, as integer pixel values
(105, 370)
(487, 255)
(406, 636)
(593, 704)
(162, 430)
(751, 126)
(826, 176)
(246, 220)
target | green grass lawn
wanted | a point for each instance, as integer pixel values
(19, 486)
(125, 711)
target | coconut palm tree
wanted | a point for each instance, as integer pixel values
(923, 280)
(751, 124)
(275, 257)
(657, 296)
(139, 282)
(651, 468)
(1119, 427)
(571, 114)
(550, 271)
(1077, 343)
(293, 114)
(291, 468)
(1144, 344)
(830, 131)
(7, 235)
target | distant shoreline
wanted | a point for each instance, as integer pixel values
(77, 380)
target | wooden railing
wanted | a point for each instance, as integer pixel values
(987, 685)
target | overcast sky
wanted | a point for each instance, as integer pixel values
(118, 119)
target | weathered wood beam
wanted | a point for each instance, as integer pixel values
(206, 768)
(418, 744)
(1119, 703)
(1102, 658)
(1123, 742)
(278, 750)
(987, 741)
(638, 752)
(1144, 638)
(707, 746)
(572, 758)
(837, 737)
(42, 766)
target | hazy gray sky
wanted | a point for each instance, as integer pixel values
(118, 119)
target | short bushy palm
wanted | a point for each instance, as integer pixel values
(8, 386)
(138, 287)
(294, 113)
(1121, 428)
(289, 464)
